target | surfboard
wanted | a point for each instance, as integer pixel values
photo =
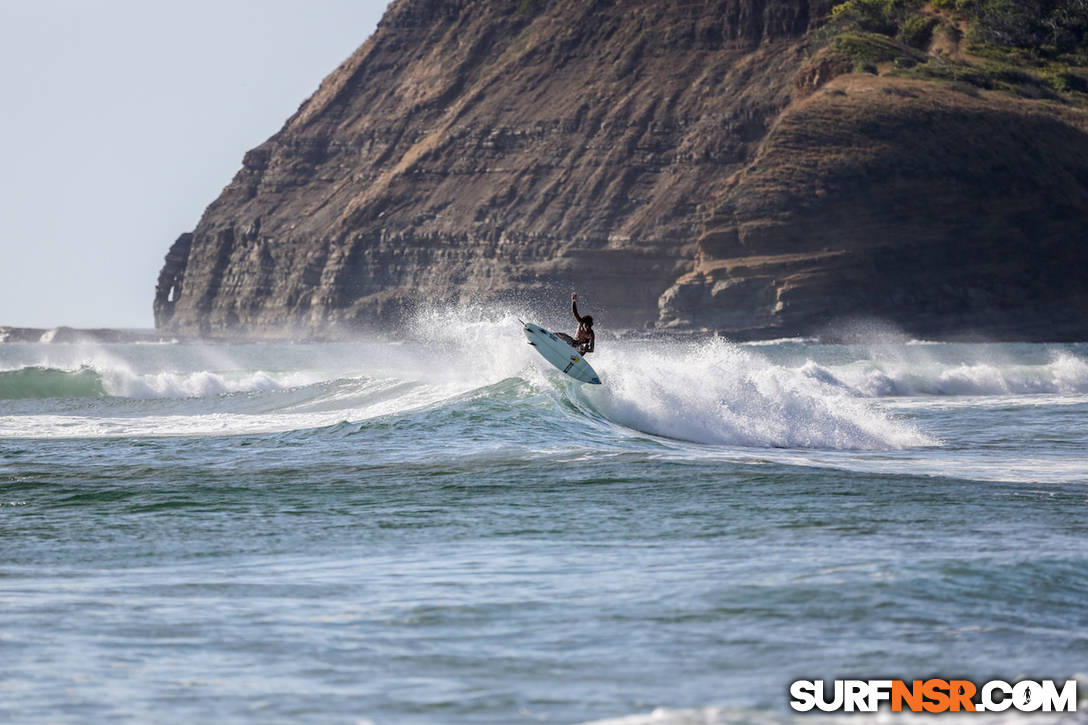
(560, 354)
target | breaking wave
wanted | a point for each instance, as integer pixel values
(719, 393)
(1063, 374)
(43, 382)
(87, 382)
(791, 394)
(710, 392)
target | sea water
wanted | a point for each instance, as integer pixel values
(444, 529)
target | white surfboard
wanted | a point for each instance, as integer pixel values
(560, 354)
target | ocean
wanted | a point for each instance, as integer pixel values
(444, 529)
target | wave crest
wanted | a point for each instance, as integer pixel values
(45, 382)
(88, 381)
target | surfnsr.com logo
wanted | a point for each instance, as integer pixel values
(933, 696)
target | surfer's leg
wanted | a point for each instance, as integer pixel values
(566, 338)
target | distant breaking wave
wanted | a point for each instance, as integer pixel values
(89, 382)
(1064, 374)
(43, 382)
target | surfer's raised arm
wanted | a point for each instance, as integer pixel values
(585, 338)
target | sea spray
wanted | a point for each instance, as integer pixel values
(473, 343)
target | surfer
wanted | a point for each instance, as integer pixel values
(584, 338)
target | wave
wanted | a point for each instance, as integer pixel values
(792, 394)
(1063, 374)
(710, 392)
(200, 384)
(35, 381)
(43, 382)
(707, 392)
(719, 393)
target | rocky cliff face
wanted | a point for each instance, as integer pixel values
(686, 165)
(947, 213)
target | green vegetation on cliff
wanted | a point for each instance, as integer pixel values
(1032, 48)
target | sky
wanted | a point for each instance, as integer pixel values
(121, 120)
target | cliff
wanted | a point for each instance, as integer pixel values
(948, 214)
(706, 165)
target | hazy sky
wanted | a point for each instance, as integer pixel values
(122, 119)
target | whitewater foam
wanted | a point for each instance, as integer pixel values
(201, 384)
(88, 382)
(232, 390)
(711, 392)
(715, 392)
(1064, 373)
